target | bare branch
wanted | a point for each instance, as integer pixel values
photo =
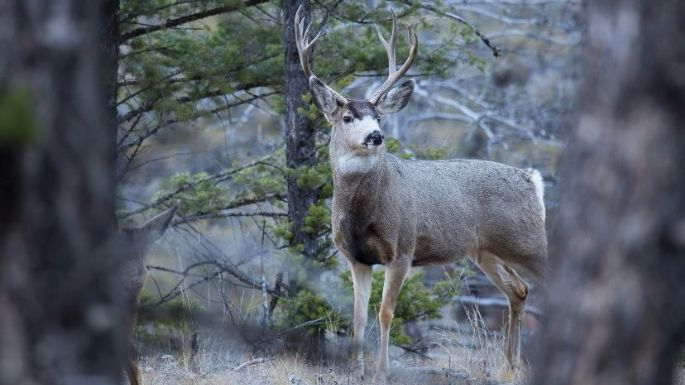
(495, 50)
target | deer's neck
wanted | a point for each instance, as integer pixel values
(351, 165)
(358, 182)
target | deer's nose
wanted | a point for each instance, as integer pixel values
(375, 138)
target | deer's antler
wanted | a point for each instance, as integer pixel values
(303, 48)
(393, 74)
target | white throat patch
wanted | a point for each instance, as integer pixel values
(356, 164)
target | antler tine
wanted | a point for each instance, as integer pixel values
(393, 74)
(389, 47)
(303, 47)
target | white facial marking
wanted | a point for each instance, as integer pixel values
(358, 156)
(357, 130)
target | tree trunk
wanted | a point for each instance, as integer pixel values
(61, 319)
(616, 286)
(300, 152)
(299, 133)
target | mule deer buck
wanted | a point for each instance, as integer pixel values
(134, 244)
(402, 213)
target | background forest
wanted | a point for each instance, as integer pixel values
(207, 209)
(203, 111)
(201, 121)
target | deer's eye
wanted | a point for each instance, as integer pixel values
(347, 119)
(378, 119)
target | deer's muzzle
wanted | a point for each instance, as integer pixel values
(375, 138)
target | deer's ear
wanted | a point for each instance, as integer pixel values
(396, 99)
(155, 227)
(323, 98)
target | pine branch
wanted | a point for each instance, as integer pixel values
(171, 23)
(218, 212)
(216, 178)
(149, 105)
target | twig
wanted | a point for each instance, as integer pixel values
(305, 324)
(253, 361)
(412, 350)
(498, 302)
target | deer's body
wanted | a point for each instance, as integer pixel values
(442, 210)
(408, 213)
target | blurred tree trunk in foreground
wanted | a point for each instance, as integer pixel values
(60, 316)
(616, 313)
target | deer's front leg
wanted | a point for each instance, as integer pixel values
(361, 281)
(394, 277)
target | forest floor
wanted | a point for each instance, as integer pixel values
(461, 366)
(448, 363)
(285, 370)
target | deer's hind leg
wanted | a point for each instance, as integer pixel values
(516, 290)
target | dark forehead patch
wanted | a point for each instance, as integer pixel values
(362, 108)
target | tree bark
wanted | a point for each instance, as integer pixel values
(300, 152)
(61, 320)
(616, 287)
(299, 132)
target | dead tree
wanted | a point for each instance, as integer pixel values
(61, 318)
(618, 249)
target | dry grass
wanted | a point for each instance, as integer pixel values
(483, 360)
(451, 362)
(281, 370)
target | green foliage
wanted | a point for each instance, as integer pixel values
(310, 112)
(431, 153)
(261, 180)
(170, 70)
(476, 61)
(197, 192)
(395, 147)
(468, 34)
(313, 177)
(318, 219)
(17, 118)
(158, 325)
(306, 306)
(282, 230)
(414, 303)
(176, 313)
